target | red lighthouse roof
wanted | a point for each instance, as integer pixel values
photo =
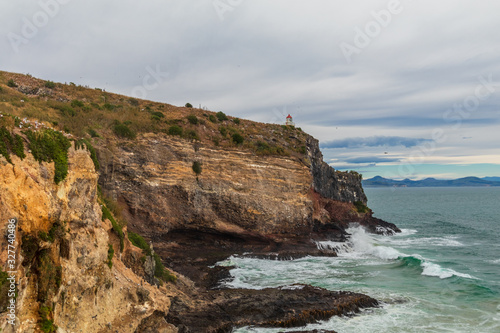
(289, 116)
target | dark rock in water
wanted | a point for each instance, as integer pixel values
(293, 306)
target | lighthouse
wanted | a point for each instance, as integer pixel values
(289, 120)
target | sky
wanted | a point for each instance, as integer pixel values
(400, 89)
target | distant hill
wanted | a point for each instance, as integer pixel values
(432, 182)
(492, 179)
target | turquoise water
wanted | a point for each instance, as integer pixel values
(441, 274)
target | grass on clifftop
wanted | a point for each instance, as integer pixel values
(92, 112)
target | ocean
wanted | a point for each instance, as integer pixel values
(441, 274)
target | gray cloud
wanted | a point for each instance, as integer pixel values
(266, 55)
(370, 160)
(374, 141)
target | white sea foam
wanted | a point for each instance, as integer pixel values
(448, 241)
(432, 269)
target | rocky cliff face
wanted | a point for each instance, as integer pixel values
(332, 184)
(61, 253)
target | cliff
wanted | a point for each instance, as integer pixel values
(61, 253)
(198, 185)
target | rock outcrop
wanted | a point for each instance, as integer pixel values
(61, 253)
(332, 184)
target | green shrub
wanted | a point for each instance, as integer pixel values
(189, 105)
(11, 83)
(106, 214)
(55, 231)
(65, 110)
(197, 167)
(50, 146)
(77, 104)
(1, 90)
(133, 102)
(212, 118)
(175, 130)
(48, 276)
(122, 130)
(361, 207)
(93, 133)
(237, 138)
(192, 135)
(111, 253)
(50, 85)
(140, 242)
(223, 131)
(236, 121)
(221, 116)
(161, 272)
(11, 144)
(192, 119)
(158, 114)
(109, 107)
(301, 149)
(46, 324)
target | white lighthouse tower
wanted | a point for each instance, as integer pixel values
(289, 121)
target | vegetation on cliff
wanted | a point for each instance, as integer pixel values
(93, 113)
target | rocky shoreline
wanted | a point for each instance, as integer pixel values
(220, 309)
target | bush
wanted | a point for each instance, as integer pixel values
(133, 102)
(77, 104)
(192, 119)
(140, 242)
(11, 83)
(50, 146)
(46, 324)
(11, 144)
(106, 214)
(212, 118)
(197, 167)
(66, 110)
(50, 85)
(122, 130)
(158, 114)
(175, 130)
(109, 107)
(93, 133)
(236, 121)
(189, 105)
(161, 272)
(237, 138)
(221, 116)
(111, 253)
(1, 90)
(223, 130)
(192, 135)
(361, 207)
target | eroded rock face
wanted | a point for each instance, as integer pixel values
(68, 274)
(332, 184)
(236, 189)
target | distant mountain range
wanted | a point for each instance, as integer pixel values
(432, 182)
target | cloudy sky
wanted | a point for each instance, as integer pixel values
(392, 88)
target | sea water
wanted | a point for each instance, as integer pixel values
(441, 274)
